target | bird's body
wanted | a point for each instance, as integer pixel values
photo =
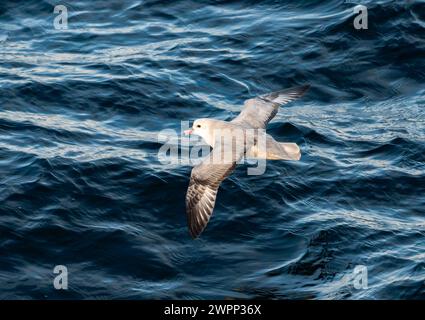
(244, 136)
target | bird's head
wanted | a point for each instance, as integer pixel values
(202, 128)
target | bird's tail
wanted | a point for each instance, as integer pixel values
(292, 150)
(284, 151)
(275, 151)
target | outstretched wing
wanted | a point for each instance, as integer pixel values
(204, 183)
(201, 195)
(258, 111)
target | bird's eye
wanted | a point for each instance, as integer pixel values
(198, 126)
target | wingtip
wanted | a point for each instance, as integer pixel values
(194, 235)
(288, 94)
(195, 229)
(304, 88)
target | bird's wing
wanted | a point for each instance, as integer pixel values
(203, 186)
(258, 111)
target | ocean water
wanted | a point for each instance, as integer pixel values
(81, 184)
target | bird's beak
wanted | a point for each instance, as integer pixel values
(188, 132)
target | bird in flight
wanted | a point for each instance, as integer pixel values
(230, 142)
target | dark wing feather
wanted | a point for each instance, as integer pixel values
(201, 194)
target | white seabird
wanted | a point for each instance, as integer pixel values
(207, 176)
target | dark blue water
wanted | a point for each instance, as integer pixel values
(81, 184)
